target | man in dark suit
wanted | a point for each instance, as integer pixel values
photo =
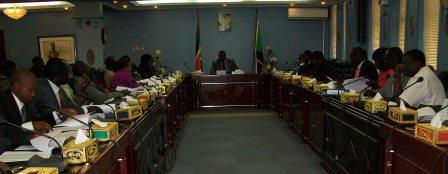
(223, 64)
(14, 109)
(363, 67)
(51, 95)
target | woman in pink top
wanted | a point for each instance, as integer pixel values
(123, 76)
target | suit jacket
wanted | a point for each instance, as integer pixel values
(368, 71)
(93, 92)
(11, 137)
(229, 63)
(45, 98)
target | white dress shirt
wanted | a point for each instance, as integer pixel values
(20, 105)
(429, 92)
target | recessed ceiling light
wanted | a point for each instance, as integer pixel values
(115, 2)
(291, 4)
(38, 5)
(181, 2)
(323, 2)
(65, 8)
(156, 6)
(125, 6)
(224, 5)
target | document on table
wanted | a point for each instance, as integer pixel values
(44, 144)
(356, 86)
(16, 156)
(73, 123)
(132, 90)
(25, 147)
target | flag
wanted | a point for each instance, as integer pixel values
(198, 57)
(258, 56)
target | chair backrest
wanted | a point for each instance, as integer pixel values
(443, 76)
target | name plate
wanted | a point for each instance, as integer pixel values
(220, 72)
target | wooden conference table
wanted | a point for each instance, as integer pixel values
(346, 138)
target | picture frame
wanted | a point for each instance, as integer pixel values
(61, 46)
(224, 22)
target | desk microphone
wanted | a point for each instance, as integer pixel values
(285, 65)
(38, 160)
(91, 99)
(69, 116)
(167, 69)
(420, 79)
(143, 85)
(376, 82)
(353, 81)
(172, 69)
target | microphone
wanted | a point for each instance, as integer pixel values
(188, 66)
(69, 116)
(420, 79)
(353, 81)
(166, 66)
(379, 80)
(91, 99)
(60, 157)
(168, 69)
(284, 65)
(143, 85)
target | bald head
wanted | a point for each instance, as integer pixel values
(22, 84)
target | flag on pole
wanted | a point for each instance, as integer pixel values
(258, 56)
(198, 57)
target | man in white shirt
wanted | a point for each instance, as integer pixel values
(427, 93)
(14, 109)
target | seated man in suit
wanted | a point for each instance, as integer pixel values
(429, 92)
(223, 64)
(50, 94)
(364, 68)
(14, 109)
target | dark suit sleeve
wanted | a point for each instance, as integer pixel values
(213, 68)
(234, 66)
(10, 137)
(41, 103)
(5, 142)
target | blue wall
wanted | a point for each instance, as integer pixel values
(21, 35)
(173, 31)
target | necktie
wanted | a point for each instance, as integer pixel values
(63, 103)
(224, 65)
(357, 73)
(23, 114)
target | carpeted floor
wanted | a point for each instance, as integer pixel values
(241, 141)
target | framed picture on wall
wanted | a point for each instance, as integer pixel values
(57, 47)
(224, 22)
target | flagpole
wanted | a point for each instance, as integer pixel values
(255, 42)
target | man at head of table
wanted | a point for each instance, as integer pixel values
(222, 63)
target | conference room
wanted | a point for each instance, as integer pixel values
(223, 86)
